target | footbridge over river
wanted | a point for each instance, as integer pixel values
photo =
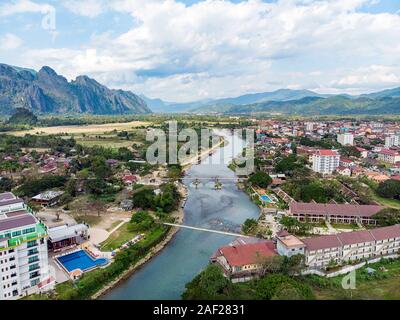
(206, 230)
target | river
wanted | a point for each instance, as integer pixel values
(165, 276)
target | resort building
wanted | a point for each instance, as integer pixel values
(23, 250)
(323, 251)
(335, 213)
(325, 161)
(66, 237)
(242, 262)
(289, 245)
(345, 139)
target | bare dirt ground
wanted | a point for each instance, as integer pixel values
(92, 128)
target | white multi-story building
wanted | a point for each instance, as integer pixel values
(342, 248)
(392, 140)
(325, 161)
(309, 126)
(345, 139)
(23, 249)
(389, 156)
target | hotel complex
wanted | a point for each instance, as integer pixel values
(334, 213)
(342, 248)
(23, 249)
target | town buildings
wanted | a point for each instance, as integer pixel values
(392, 140)
(345, 139)
(23, 249)
(325, 161)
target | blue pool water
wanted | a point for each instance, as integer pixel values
(80, 260)
(266, 198)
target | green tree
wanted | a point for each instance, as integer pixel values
(210, 284)
(260, 179)
(389, 189)
(249, 225)
(387, 217)
(144, 198)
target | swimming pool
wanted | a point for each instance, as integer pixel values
(80, 260)
(265, 198)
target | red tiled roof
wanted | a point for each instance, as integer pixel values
(334, 209)
(355, 237)
(348, 238)
(248, 253)
(322, 242)
(388, 152)
(326, 152)
(386, 232)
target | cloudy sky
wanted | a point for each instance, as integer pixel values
(185, 50)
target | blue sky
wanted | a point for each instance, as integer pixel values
(184, 50)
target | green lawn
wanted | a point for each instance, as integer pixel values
(383, 285)
(118, 238)
(345, 226)
(387, 202)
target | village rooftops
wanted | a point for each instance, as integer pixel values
(248, 253)
(331, 209)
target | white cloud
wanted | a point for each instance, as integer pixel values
(24, 6)
(87, 8)
(10, 42)
(218, 48)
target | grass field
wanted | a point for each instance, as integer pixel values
(387, 202)
(86, 129)
(106, 143)
(383, 285)
(118, 238)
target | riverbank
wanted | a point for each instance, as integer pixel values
(179, 215)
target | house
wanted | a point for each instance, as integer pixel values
(345, 162)
(129, 179)
(48, 167)
(335, 213)
(48, 198)
(363, 152)
(242, 262)
(344, 171)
